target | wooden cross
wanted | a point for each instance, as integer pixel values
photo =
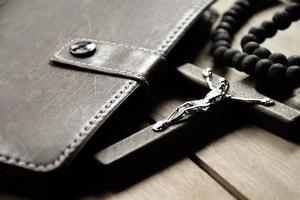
(278, 118)
(217, 93)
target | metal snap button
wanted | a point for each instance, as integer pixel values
(83, 49)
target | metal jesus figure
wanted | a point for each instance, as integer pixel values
(216, 94)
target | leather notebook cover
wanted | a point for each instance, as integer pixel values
(51, 102)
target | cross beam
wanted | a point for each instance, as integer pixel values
(278, 118)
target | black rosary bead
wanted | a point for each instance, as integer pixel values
(261, 68)
(262, 52)
(237, 60)
(282, 20)
(226, 26)
(237, 8)
(270, 28)
(248, 38)
(292, 75)
(229, 19)
(277, 72)
(220, 43)
(293, 60)
(248, 64)
(222, 36)
(232, 13)
(250, 47)
(294, 11)
(278, 58)
(259, 32)
(219, 31)
(228, 55)
(254, 1)
(218, 54)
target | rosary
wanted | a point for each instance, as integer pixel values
(255, 60)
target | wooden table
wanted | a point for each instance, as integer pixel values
(247, 163)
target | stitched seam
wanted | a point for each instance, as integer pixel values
(176, 31)
(98, 117)
(149, 51)
(114, 44)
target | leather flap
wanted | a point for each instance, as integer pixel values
(113, 58)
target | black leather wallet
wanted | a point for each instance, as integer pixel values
(67, 66)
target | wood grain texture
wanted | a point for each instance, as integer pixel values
(257, 163)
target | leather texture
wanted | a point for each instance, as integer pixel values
(49, 110)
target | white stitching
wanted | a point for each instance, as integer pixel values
(129, 86)
(114, 44)
(176, 31)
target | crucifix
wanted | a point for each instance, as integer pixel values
(269, 114)
(216, 94)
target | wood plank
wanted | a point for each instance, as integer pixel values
(258, 163)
